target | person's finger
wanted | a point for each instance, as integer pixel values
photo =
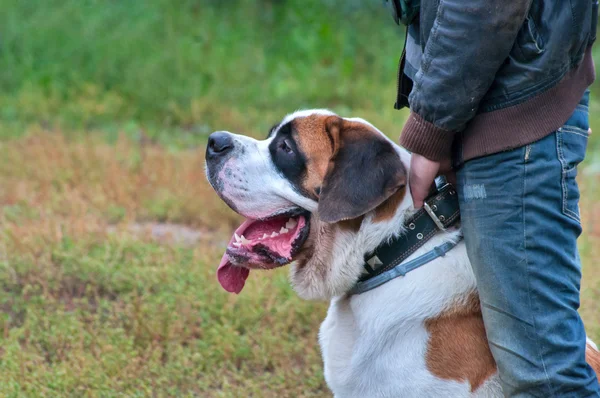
(419, 193)
(422, 175)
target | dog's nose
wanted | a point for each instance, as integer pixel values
(219, 143)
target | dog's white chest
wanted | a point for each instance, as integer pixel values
(367, 354)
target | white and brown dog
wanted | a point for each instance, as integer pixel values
(322, 191)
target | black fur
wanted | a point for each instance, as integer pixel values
(291, 166)
(365, 171)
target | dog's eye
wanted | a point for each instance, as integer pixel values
(285, 147)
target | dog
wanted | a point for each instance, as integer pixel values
(319, 193)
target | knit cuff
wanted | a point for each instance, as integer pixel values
(424, 138)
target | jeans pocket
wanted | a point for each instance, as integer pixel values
(571, 143)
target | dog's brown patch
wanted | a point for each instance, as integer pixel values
(317, 145)
(318, 137)
(592, 356)
(318, 247)
(387, 209)
(458, 348)
(349, 168)
(351, 225)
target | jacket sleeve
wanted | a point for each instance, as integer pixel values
(467, 45)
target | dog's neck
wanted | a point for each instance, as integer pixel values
(332, 259)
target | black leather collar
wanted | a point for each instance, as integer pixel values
(439, 212)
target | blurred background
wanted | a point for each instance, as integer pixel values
(109, 232)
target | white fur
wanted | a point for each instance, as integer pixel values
(249, 180)
(304, 113)
(374, 344)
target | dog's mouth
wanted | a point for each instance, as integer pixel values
(262, 244)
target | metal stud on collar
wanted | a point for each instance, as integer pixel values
(419, 236)
(411, 225)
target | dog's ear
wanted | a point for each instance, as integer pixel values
(363, 172)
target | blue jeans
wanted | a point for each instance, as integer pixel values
(520, 217)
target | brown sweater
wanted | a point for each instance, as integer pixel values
(506, 128)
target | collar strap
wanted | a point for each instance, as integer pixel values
(439, 212)
(402, 269)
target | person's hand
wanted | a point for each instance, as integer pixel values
(422, 177)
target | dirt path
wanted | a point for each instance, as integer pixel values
(168, 233)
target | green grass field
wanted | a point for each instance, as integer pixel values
(109, 233)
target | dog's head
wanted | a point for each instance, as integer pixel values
(314, 175)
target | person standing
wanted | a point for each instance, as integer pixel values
(498, 92)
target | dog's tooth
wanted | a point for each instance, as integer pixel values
(284, 230)
(274, 234)
(265, 236)
(244, 240)
(237, 244)
(291, 223)
(237, 238)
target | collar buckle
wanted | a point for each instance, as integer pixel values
(434, 216)
(431, 209)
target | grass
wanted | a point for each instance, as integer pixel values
(186, 66)
(104, 112)
(91, 312)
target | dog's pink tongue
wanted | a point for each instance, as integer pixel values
(232, 278)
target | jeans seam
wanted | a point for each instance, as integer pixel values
(531, 301)
(494, 308)
(563, 178)
(575, 130)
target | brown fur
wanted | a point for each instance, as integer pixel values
(319, 138)
(314, 142)
(352, 225)
(458, 348)
(387, 209)
(318, 247)
(592, 356)
(336, 169)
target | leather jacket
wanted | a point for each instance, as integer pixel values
(469, 57)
